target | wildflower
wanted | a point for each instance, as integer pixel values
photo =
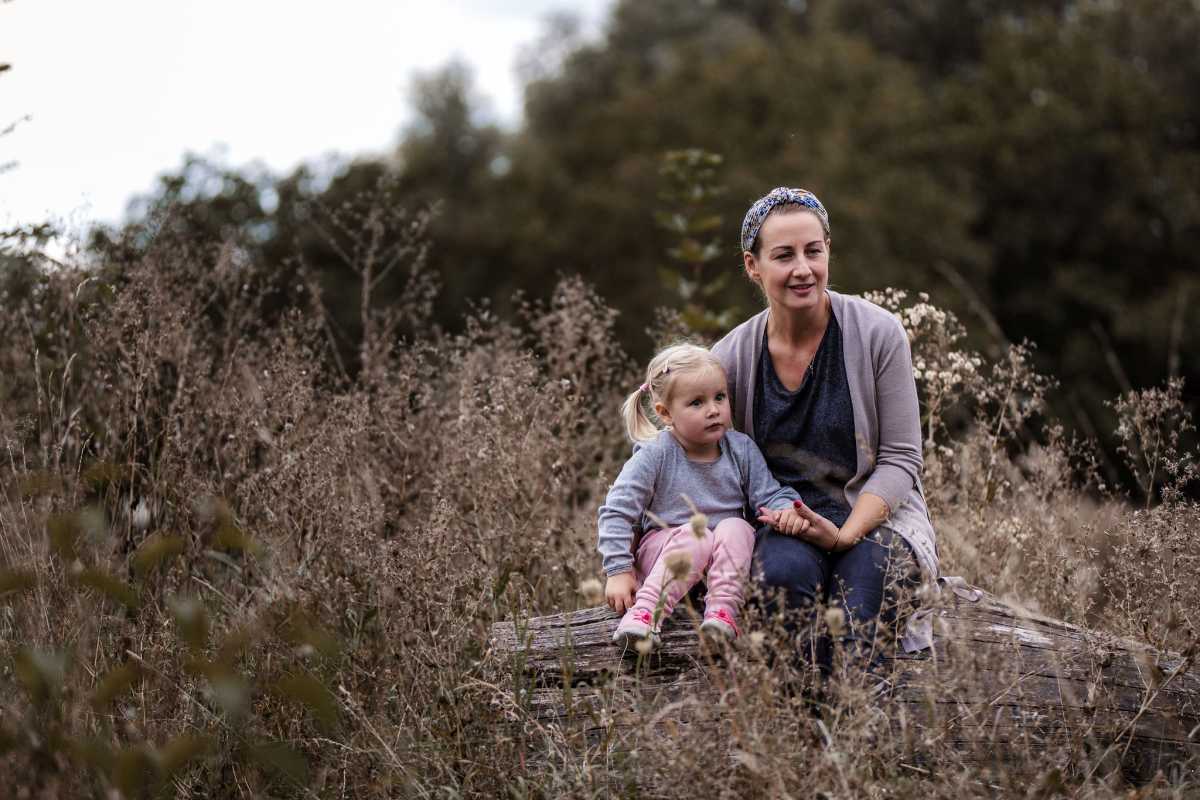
(141, 515)
(835, 620)
(592, 591)
(679, 564)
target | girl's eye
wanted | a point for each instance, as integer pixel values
(720, 396)
(696, 402)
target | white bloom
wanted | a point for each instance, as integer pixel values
(141, 515)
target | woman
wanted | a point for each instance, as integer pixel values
(823, 383)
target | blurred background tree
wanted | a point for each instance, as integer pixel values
(1033, 166)
(699, 285)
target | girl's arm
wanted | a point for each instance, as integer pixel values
(620, 591)
(762, 490)
(628, 498)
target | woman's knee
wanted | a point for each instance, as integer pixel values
(870, 578)
(782, 563)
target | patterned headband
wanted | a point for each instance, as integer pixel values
(776, 197)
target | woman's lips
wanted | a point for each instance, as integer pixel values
(802, 288)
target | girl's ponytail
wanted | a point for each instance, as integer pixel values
(638, 424)
(669, 364)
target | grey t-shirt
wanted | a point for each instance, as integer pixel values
(659, 473)
(807, 435)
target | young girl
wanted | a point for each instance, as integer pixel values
(698, 456)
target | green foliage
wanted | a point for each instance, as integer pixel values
(156, 551)
(41, 673)
(1030, 165)
(153, 647)
(698, 282)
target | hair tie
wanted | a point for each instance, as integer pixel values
(645, 387)
(779, 196)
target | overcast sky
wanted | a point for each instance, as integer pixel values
(117, 91)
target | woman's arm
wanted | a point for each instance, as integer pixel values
(898, 458)
(868, 513)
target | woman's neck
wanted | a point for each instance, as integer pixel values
(798, 327)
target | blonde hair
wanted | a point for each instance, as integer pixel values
(661, 373)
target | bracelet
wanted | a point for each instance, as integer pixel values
(836, 540)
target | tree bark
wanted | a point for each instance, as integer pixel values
(998, 678)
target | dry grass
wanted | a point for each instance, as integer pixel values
(229, 570)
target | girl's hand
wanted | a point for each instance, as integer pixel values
(785, 520)
(820, 531)
(768, 516)
(619, 590)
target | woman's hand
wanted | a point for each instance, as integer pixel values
(820, 531)
(619, 590)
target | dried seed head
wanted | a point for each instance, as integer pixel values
(835, 620)
(141, 515)
(592, 591)
(679, 564)
(699, 523)
(644, 646)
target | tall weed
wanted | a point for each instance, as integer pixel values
(232, 565)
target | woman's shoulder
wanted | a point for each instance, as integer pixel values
(737, 338)
(864, 317)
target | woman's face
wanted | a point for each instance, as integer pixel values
(792, 265)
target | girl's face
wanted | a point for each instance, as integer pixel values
(698, 412)
(792, 265)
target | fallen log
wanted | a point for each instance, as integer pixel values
(999, 681)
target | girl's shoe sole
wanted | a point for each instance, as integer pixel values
(715, 629)
(629, 640)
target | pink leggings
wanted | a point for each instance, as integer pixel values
(723, 553)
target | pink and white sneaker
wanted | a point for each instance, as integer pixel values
(636, 626)
(719, 624)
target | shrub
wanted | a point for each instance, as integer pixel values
(231, 565)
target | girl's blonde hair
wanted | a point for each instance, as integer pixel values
(664, 368)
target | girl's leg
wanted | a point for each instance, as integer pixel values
(648, 552)
(733, 543)
(660, 582)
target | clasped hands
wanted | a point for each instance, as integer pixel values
(804, 523)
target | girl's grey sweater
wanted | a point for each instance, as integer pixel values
(887, 417)
(659, 474)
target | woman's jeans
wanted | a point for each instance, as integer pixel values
(873, 584)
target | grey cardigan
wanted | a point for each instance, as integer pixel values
(887, 416)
